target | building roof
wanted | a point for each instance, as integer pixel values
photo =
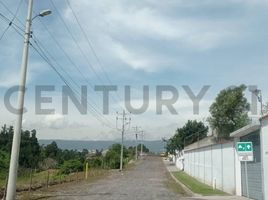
(253, 126)
(207, 141)
(264, 116)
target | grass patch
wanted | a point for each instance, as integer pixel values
(175, 187)
(196, 186)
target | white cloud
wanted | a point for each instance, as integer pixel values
(119, 29)
(53, 121)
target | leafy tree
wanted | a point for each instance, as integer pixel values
(95, 161)
(6, 135)
(4, 163)
(112, 157)
(51, 150)
(35, 149)
(70, 166)
(191, 132)
(131, 151)
(29, 147)
(229, 112)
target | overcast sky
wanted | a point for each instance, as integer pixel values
(182, 42)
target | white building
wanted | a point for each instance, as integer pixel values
(217, 164)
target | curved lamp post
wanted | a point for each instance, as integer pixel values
(13, 167)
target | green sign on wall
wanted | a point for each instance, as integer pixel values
(244, 151)
(244, 146)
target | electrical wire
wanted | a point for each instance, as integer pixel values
(41, 47)
(13, 14)
(42, 54)
(76, 42)
(90, 45)
(47, 60)
(11, 21)
(68, 57)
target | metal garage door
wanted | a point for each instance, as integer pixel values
(253, 187)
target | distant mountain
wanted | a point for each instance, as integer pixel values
(155, 146)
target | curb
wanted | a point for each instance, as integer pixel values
(187, 190)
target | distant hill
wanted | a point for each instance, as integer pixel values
(155, 146)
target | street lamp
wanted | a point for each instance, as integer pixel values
(13, 167)
(43, 13)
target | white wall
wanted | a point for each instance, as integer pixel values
(264, 154)
(238, 172)
(213, 164)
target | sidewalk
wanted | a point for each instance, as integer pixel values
(216, 198)
(171, 167)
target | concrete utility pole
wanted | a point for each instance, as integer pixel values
(142, 132)
(136, 134)
(136, 146)
(13, 167)
(125, 121)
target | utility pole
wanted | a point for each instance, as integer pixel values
(125, 121)
(13, 167)
(142, 132)
(136, 134)
(136, 146)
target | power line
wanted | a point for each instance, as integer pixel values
(47, 60)
(6, 7)
(75, 41)
(78, 46)
(13, 25)
(65, 81)
(38, 43)
(18, 29)
(42, 54)
(4, 32)
(90, 44)
(68, 57)
(10, 23)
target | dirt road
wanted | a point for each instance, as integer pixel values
(146, 180)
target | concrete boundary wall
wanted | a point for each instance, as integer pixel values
(214, 165)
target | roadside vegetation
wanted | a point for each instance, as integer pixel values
(41, 165)
(196, 186)
(228, 113)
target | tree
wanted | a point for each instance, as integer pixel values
(229, 112)
(6, 136)
(51, 150)
(191, 132)
(29, 147)
(4, 163)
(144, 148)
(112, 157)
(70, 166)
(35, 149)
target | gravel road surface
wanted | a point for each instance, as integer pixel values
(147, 180)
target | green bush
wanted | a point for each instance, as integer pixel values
(95, 162)
(112, 157)
(4, 163)
(71, 166)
